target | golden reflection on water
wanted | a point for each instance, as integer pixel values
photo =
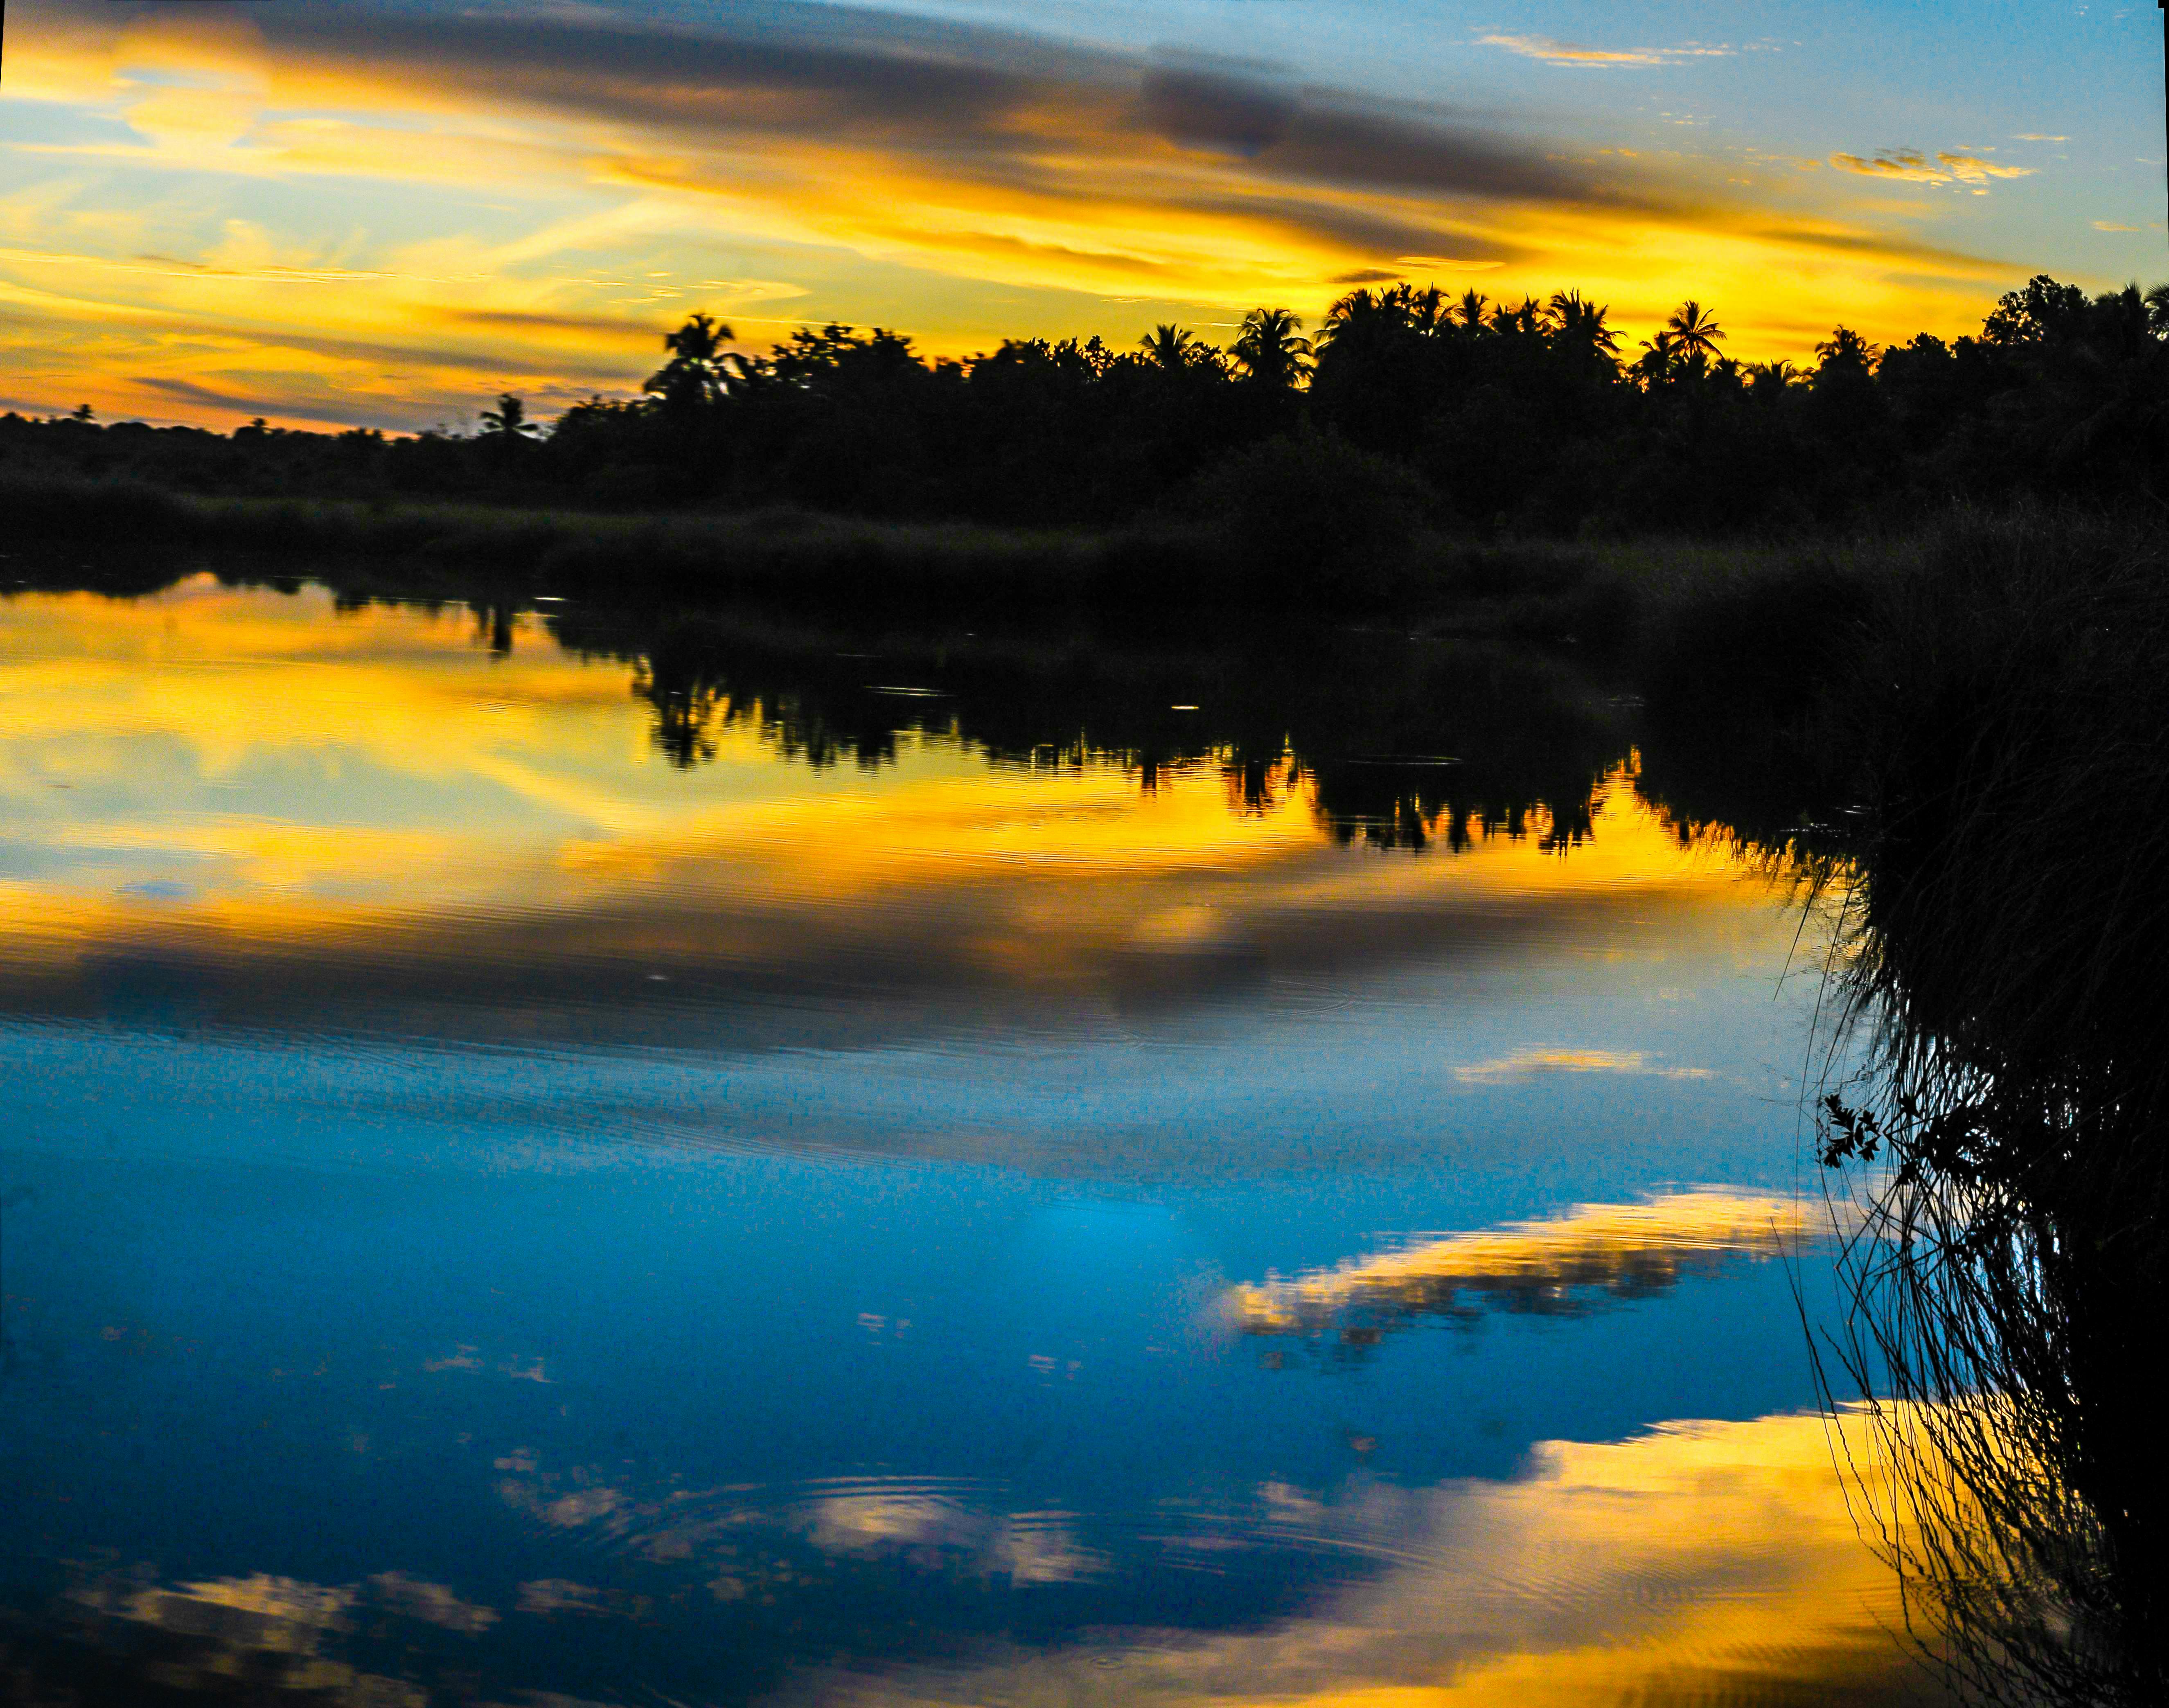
(1542, 1267)
(1700, 1562)
(241, 778)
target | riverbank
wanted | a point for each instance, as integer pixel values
(1732, 638)
(1595, 595)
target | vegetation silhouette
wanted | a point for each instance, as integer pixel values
(1520, 417)
(1979, 780)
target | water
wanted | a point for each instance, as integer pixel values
(544, 1159)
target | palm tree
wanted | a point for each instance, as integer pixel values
(696, 372)
(508, 420)
(1170, 347)
(1771, 376)
(1270, 348)
(1527, 319)
(1846, 349)
(1660, 359)
(2157, 309)
(1695, 330)
(1472, 310)
(1578, 324)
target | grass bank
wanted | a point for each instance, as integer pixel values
(1606, 597)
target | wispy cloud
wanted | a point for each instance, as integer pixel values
(1552, 51)
(2037, 136)
(1910, 166)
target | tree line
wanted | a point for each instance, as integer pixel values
(1470, 414)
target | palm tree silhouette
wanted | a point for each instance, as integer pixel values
(696, 372)
(1771, 376)
(1695, 330)
(1169, 347)
(508, 420)
(1578, 324)
(1270, 348)
(1846, 349)
(1660, 359)
(1472, 304)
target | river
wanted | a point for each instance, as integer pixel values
(551, 1162)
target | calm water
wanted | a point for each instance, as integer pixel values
(537, 1167)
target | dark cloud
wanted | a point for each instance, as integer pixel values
(710, 84)
(516, 319)
(984, 102)
(242, 403)
(1201, 108)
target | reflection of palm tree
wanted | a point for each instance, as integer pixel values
(1695, 332)
(1270, 348)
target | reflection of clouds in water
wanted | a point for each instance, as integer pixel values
(259, 1638)
(942, 1533)
(1527, 1064)
(1707, 1560)
(1544, 1268)
(922, 1525)
(433, 1603)
(434, 847)
(553, 1595)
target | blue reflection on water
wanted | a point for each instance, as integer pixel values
(807, 1319)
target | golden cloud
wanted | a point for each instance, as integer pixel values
(963, 159)
(1568, 53)
(1910, 165)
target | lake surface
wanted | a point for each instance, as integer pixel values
(544, 1163)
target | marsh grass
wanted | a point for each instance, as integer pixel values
(2006, 950)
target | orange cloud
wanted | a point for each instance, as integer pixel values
(566, 170)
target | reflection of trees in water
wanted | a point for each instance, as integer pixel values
(1397, 743)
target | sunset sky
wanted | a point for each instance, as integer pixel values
(384, 211)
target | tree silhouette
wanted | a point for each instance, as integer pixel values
(1270, 349)
(1521, 411)
(1170, 347)
(1578, 326)
(508, 420)
(1844, 349)
(697, 372)
(1660, 359)
(1695, 332)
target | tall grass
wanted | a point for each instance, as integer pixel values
(2008, 713)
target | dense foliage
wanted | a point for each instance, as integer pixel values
(1406, 407)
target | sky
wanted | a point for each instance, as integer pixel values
(383, 212)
